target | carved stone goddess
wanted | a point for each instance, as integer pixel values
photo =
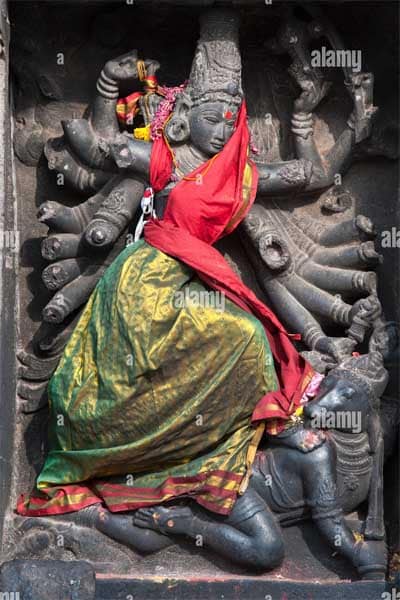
(153, 400)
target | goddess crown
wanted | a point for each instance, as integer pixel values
(216, 73)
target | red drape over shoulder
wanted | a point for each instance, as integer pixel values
(200, 210)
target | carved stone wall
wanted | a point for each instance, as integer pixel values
(57, 51)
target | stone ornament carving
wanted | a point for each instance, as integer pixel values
(217, 65)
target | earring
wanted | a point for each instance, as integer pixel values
(177, 130)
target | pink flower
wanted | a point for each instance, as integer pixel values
(312, 388)
(164, 109)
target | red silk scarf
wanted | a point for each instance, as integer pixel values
(202, 208)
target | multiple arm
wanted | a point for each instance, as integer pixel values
(99, 142)
(129, 155)
(293, 39)
(311, 171)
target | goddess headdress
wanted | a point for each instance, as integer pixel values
(215, 76)
(216, 73)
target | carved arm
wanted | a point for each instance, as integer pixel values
(103, 112)
(130, 155)
(358, 127)
(324, 167)
(313, 171)
(293, 39)
(90, 140)
(282, 177)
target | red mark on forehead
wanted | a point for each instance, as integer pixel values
(228, 115)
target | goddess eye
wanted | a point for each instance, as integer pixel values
(211, 119)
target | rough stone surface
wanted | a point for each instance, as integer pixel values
(238, 589)
(47, 580)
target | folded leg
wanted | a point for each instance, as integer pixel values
(250, 535)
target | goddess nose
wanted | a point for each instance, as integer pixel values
(220, 134)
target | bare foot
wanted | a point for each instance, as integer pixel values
(339, 348)
(302, 439)
(176, 519)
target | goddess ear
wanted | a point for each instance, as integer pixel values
(177, 129)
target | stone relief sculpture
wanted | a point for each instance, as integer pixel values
(114, 341)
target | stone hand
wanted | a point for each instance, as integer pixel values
(367, 310)
(293, 38)
(89, 236)
(360, 87)
(337, 347)
(124, 68)
(312, 94)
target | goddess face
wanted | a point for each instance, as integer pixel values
(211, 126)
